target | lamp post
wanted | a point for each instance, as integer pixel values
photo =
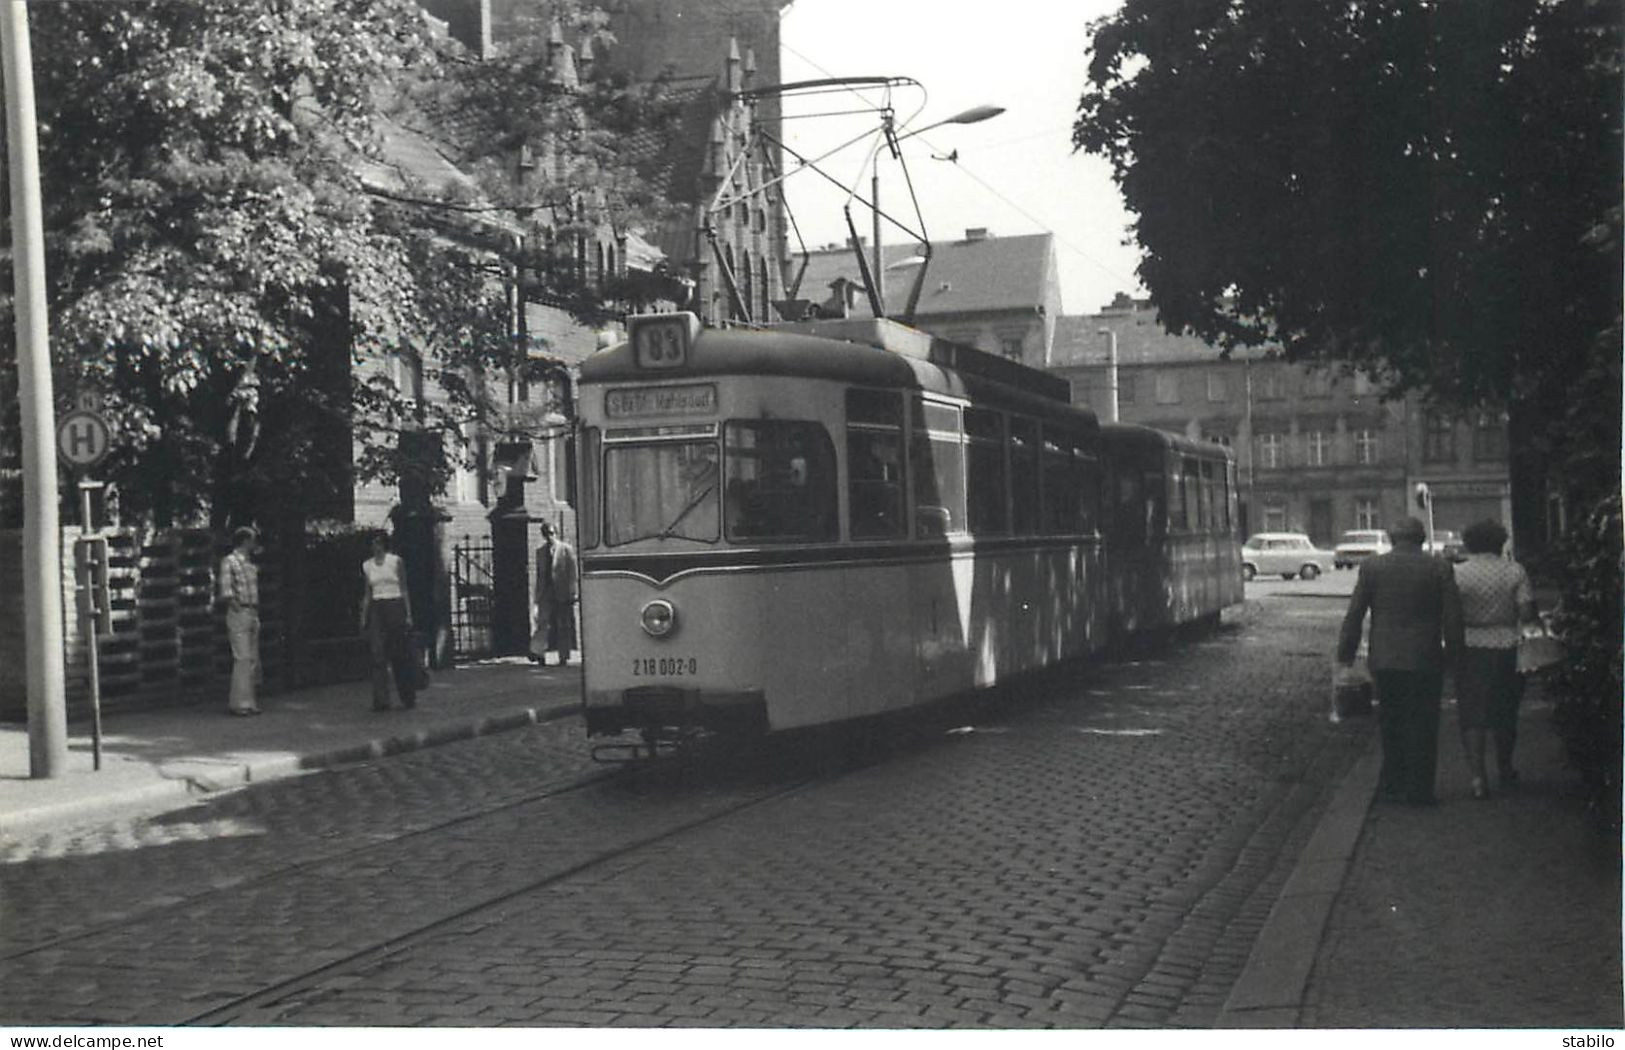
(974, 115)
(1111, 373)
(42, 579)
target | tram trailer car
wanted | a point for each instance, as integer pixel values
(1172, 548)
(840, 519)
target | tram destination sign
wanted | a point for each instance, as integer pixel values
(693, 399)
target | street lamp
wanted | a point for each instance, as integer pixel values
(1111, 372)
(974, 115)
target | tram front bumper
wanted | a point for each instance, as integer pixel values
(657, 707)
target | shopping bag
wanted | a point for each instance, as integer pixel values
(1351, 691)
(1538, 649)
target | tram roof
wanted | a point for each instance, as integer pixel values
(1143, 438)
(846, 349)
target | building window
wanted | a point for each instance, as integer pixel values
(1365, 513)
(1125, 387)
(1363, 384)
(1011, 348)
(1268, 386)
(1270, 452)
(1274, 518)
(1489, 438)
(1439, 440)
(1215, 387)
(1365, 446)
(1167, 386)
(1319, 445)
(1317, 382)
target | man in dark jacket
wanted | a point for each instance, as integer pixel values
(1416, 630)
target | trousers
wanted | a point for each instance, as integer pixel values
(1408, 720)
(243, 631)
(390, 644)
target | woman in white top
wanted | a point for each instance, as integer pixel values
(386, 620)
(1496, 598)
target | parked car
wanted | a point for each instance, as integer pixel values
(1359, 544)
(1288, 554)
(1447, 543)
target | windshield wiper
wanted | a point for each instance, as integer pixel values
(671, 530)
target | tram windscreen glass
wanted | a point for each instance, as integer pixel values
(780, 482)
(664, 490)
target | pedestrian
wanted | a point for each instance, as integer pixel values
(239, 582)
(386, 620)
(555, 599)
(1415, 633)
(1496, 600)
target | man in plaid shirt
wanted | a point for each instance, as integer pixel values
(240, 591)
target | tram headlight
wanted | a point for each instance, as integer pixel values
(659, 618)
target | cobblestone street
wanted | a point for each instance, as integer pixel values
(1098, 851)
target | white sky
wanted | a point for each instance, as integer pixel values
(1016, 173)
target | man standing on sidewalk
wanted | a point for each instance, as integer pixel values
(1416, 629)
(240, 592)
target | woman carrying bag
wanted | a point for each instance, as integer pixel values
(1496, 601)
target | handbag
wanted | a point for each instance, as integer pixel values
(1537, 650)
(1351, 691)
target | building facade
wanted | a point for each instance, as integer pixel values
(1318, 448)
(1001, 295)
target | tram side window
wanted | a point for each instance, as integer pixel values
(1194, 519)
(1176, 497)
(985, 493)
(874, 463)
(587, 515)
(1061, 488)
(1024, 475)
(937, 459)
(780, 481)
(1210, 515)
(1129, 511)
(1089, 483)
(1156, 504)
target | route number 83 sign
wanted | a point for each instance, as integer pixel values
(662, 341)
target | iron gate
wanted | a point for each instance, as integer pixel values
(471, 583)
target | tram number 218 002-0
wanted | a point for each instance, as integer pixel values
(666, 666)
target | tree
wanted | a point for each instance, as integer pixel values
(218, 263)
(1425, 189)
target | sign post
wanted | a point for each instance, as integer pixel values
(82, 440)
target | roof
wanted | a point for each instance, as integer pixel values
(1141, 340)
(985, 275)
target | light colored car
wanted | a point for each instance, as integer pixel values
(1287, 554)
(1360, 544)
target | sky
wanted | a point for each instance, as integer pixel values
(1016, 173)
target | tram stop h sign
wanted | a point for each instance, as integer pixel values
(83, 438)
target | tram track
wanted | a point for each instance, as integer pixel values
(264, 1005)
(176, 905)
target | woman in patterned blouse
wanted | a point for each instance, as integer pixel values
(1496, 599)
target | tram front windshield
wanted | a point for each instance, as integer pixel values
(663, 490)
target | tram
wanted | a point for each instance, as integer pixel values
(839, 519)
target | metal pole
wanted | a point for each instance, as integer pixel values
(42, 540)
(880, 269)
(1111, 375)
(92, 617)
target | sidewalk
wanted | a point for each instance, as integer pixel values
(176, 754)
(1468, 914)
